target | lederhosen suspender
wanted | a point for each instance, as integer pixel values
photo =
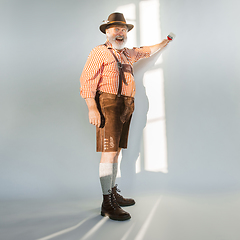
(121, 73)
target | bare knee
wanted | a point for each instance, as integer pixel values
(110, 157)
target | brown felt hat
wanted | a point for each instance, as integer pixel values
(115, 19)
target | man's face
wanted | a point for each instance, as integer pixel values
(117, 36)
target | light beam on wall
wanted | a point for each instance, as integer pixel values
(155, 146)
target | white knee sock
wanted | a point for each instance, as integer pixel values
(115, 169)
(106, 176)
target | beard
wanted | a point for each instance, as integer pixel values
(117, 42)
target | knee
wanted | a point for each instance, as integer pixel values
(110, 157)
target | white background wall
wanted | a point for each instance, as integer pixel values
(48, 146)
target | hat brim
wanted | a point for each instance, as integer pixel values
(104, 26)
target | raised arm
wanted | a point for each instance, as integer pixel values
(155, 48)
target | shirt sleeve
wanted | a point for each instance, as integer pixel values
(139, 53)
(91, 73)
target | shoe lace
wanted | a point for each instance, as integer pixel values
(113, 200)
(118, 191)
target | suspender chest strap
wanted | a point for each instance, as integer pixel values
(121, 77)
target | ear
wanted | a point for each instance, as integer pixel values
(107, 34)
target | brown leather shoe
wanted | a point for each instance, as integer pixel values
(123, 202)
(111, 208)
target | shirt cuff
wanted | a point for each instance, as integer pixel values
(87, 94)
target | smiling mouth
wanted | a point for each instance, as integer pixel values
(119, 39)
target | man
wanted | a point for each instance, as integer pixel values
(107, 85)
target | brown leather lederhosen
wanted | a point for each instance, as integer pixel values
(116, 112)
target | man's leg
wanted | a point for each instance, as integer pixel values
(108, 173)
(108, 170)
(110, 207)
(123, 202)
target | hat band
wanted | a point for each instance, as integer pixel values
(117, 22)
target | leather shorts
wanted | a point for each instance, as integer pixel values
(116, 113)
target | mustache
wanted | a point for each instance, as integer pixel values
(119, 37)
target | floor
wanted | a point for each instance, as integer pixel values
(166, 216)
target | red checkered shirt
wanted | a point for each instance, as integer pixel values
(101, 71)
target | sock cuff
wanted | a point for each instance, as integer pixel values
(105, 169)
